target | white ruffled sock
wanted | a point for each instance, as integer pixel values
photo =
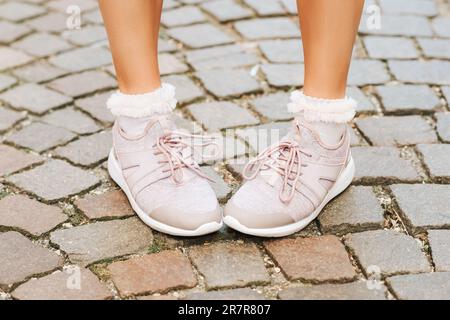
(134, 111)
(328, 117)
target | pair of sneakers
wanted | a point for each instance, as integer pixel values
(286, 186)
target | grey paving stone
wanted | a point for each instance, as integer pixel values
(267, 7)
(429, 207)
(186, 89)
(17, 11)
(54, 180)
(408, 98)
(169, 64)
(262, 136)
(86, 35)
(390, 47)
(228, 82)
(429, 72)
(40, 137)
(267, 28)
(20, 259)
(356, 209)
(19, 211)
(61, 5)
(170, 4)
(350, 291)
(33, 44)
(96, 107)
(439, 240)
(441, 26)
(364, 104)
(284, 75)
(443, 125)
(54, 287)
(223, 57)
(382, 164)
(219, 186)
(165, 45)
(229, 265)
(88, 150)
(11, 58)
(78, 241)
(51, 22)
(8, 118)
(231, 294)
(182, 16)
(396, 131)
(220, 115)
(419, 7)
(12, 160)
(371, 247)
(435, 48)
(80, 84)
(39, 71)
(10, 31)
(94, 17)
(282, 51)
(411, 286)
(34, 98)
(290, 5)
(6, 82)
(434, 156)
(364, 72)
(72, 120)
(446, 93)
(200, 35)
(399, 25)
(226, 10)
(82, 59)
(273, 106)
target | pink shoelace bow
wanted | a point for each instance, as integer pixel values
(285, 159)
(173, 144)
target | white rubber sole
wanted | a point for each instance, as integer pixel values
(341, 184)
(116, 174)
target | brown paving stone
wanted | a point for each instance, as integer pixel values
(12, 160)
(314, 259)
(63, 285)
(109, 204)
(356, 209)
(158, 272)
(20, 258)
(19, 211)
(54, 180)
(229, 265)
(110, 239)
(348, 291)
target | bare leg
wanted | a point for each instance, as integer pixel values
(329, 29)
(133, 28)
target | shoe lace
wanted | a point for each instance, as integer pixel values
(285, 159)
(173, 146)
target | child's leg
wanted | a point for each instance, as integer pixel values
(133, 27)
(328, 31)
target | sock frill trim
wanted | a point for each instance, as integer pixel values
(324, 110)
(159, 101)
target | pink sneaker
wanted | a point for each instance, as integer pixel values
(163, 183)
(289, 183)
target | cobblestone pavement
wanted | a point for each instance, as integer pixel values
(66, 231)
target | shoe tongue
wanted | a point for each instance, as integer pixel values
(161, 126)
